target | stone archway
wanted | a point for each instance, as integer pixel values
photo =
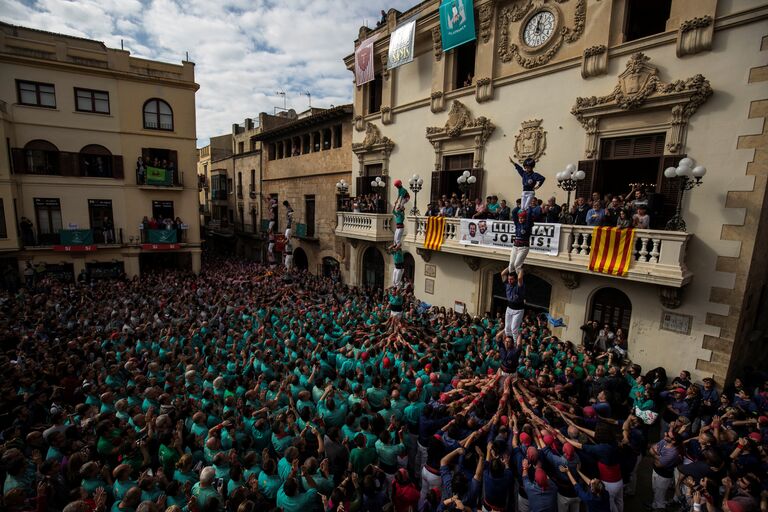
(300, 260)
(372, 268)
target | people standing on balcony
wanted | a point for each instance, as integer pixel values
(636, 198)
(595, 214)
(107, 230)
(622, 220)
(551, 211)
(288, 219)
(141, 171)
(504, 211)
(579, 212)
(27, 231)
(531, 180)
(641, 219)
(523, 219)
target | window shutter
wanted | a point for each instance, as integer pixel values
(663, 207)
(476, 190)
(360, 188)
(584, 187)
(434, 191)
(69, 163)
(19, 162)
(117, 167)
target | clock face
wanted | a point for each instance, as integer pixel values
(539, 29)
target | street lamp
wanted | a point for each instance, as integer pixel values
(568, 180)
(415, 184)
(378, 183)
(689, 176)
(465, 181)
(341, 188)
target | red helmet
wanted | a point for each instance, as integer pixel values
(398, 183)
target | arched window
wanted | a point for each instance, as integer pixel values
(41, 157)
(611, 306)
(158, 115)
(331, 268)
(95, 161)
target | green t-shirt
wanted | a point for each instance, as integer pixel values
(359, 458)
(388, 453)
(269, 484)
(205, 494)
(302, 502)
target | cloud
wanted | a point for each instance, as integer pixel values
(244, 50)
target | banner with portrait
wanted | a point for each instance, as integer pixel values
(364, 71)
(498, 234)
(401, 45)
(457, 23)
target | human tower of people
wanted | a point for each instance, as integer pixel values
(250, 388)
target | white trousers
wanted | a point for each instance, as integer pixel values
(399, 235)
(512, 320)
(565, 504)
(428, 481)
(288, 234)
(525, 198)
(397, 276)
(517, 257)
(288, 261)
(615, 494)
(660, 486)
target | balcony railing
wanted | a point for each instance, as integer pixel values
(64, 163)
(218, 195)
(97, 236)
(658, 256)
(375, 227)
(158, 177)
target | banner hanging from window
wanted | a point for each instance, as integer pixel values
(457, 23)
(364, 62)
(401, 45)
(162, 236)
(158, 176)
(76, 236)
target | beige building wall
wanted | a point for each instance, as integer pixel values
(723, 134)
(68, 63)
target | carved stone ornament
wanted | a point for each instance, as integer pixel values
(530, 141)
(373, 145)
(483, 89)
(639, 87)
(384, 68)
(437, 102)
(425, 254)
(359, 123)
(485, 16)
(670, 298)
(594, 61)
(571, 280)
(695, 35)
(531, 58)
(473, 262)
(386, 115)
(461, 124)
(437, 43)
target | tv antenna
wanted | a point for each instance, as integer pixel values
(285, 101)
(309, 97)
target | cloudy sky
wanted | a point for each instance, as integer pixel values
(244, 50)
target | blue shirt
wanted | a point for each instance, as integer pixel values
(595, 503)
(541, 500)
(530, 180)
(515, 295)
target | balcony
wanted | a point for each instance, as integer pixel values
(658, 256)
(153, 178)
(39, 162)
(374, 227)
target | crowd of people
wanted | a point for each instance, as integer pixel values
(247, 388)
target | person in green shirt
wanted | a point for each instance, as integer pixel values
(388, 452)
(269, 482)
(362, 455)
(204, 491)
(290, 498)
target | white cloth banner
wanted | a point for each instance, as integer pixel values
(401, 45)
(545, 238)
(364, 62)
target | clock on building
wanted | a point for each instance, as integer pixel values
(539, 29)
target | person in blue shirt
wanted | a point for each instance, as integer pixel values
(531, 180)
(521, 241)
(515, 291)
(595, 214)
(592, 492)
(542, 491)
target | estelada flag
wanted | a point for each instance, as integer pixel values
(364, 62)
(435, 233)
(611, 250)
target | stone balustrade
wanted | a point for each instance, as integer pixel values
(373, 227)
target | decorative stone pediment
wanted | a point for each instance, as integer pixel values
(461, 131)
(375, 148)
(640, 88)
(531, 140)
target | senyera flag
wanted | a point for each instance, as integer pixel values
(364, 62)
(435, 233)
(611, 250)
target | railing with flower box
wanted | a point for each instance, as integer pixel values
(374, 227)
(658, 257)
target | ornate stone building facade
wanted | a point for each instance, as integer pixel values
(623, 93)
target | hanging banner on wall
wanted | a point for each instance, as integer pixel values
(401, 45)
(545, 237)
(457, 23)
(364, 62)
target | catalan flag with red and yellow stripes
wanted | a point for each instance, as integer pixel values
(611, 250)
(435, 233)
